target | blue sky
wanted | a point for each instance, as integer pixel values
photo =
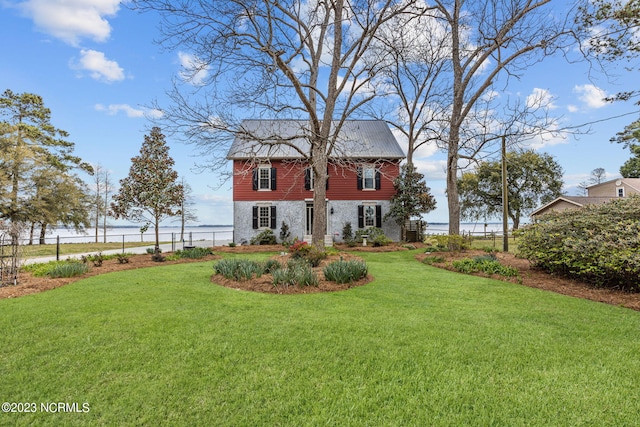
(97, 67)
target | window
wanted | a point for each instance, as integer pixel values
(369, 215)
(309, 179)
(264, 178)
(620, 192)
(264, 216)
(368, 178)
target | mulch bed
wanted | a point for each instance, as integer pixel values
(528, 276)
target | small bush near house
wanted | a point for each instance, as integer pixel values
(444, 242)
(376, 236)
(285, 234)
(345, 271)
(347, 234)
(598, 244)
(302, 250)
(265, 237)
(486, 264)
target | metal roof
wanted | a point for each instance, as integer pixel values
(281, 139)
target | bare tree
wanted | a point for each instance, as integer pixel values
(187, 212)
(490, 43)
(102, 190)
(272, 59)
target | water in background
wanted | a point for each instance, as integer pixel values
(217, 234)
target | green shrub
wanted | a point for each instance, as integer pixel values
(265, 237)
(345, 271)
(68, 269)
(597, 244)
(486, 264)
(194, 253)
(297, 273)
(285, 234)
(238, 269)
(270, 266)
(376, 236)
(122, 258)
(433, 260)
(347, 233)
(302, 250)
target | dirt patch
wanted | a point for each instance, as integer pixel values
(532, 277)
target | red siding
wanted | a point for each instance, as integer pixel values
(290, 183)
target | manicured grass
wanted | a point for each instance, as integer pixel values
(418, 346)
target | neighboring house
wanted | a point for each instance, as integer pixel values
(272, 183)
(596, 194)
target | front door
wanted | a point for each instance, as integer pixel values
(308, 228)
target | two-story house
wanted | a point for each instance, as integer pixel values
(273, 183)
(596, 194)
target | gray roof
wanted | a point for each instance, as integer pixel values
(278, 139)
(579, 201)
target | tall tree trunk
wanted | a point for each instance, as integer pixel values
(43, 232)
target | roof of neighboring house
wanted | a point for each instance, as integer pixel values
(578, 201)
(278, 139)
(631, 182)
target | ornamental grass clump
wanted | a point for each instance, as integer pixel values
(345, 271)
(298, 273)
(488, 264)
(68, 269)
(238, 269)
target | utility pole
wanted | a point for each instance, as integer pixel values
(505, 198)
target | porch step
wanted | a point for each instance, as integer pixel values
(328, 239)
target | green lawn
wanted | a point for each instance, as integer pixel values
(78, 248)
(417, 347)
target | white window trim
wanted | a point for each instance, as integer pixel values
(373, 178)
(618, 191)
(268, 169)
(262, 206)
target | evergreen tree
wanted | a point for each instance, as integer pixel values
(30, 146)
(631, 168)
(412, 198)
(150, 193)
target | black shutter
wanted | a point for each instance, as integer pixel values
(307, 179)
(273, 217)
(359, 175)
(360, 216)
(377, 179)
(326, 183)
(378, 216)
(273, 179)
(255, 179)
(255, 217)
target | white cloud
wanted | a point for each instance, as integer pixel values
(541, 98)
(99, 67)
(194, 70)
(113, 109)
(572, 108)
(591, 95)
(72, 20)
